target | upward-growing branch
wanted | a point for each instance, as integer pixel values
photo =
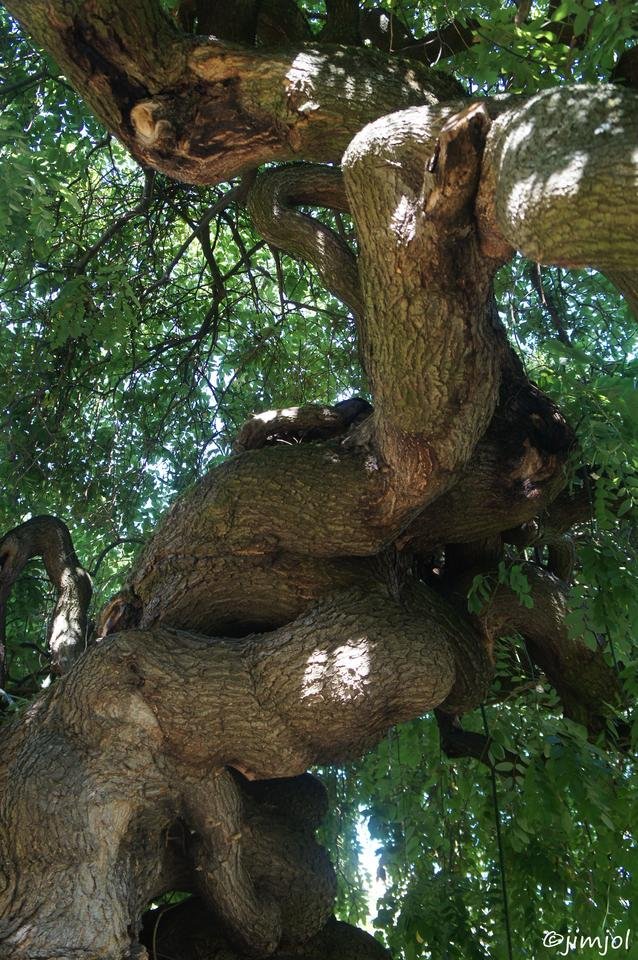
(431, 348)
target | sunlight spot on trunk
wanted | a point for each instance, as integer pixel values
(340, 674)
(403, 221)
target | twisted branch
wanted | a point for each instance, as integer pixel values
(271, 204)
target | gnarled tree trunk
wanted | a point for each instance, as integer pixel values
(293, 605)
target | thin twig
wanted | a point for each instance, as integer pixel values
(138, 210)
(111, 546)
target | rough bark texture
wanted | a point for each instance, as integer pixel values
(322, 582)
(561, 175)
(323, 688)
(203, 109)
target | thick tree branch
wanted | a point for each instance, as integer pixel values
(411, 180)
(262, 536)
(203, 110)
(560, 178)
(49, 538)
(321, 689)
(313, 421)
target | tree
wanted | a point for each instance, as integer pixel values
(309, 591)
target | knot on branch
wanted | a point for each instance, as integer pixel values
(152, 128)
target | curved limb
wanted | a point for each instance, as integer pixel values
(411, 180)
(589, 689)
(271, 204)
(260, 868)
(49, 538)
(266, 534)
(225, 878)
(413, 220)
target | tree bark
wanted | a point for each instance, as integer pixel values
(203, 110)
(561, 177)
(140, 734)
(311, 572)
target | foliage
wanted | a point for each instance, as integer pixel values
(143, 321)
